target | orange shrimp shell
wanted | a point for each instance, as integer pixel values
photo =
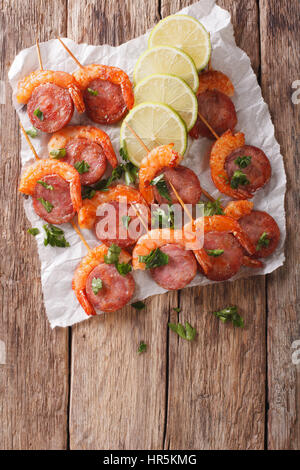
(237, 209)
(215, 80)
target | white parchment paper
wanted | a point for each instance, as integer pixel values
(57, 264)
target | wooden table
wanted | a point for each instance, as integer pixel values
(86, 387)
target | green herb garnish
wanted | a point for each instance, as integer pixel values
(33, 231)
(230, 314)
(47, 186)
(87, 192)
(139, 305)
(263, 241)
(155, 259)
(161, 186)
(32, 132)
(142, 347)
(55, 236)
(212, 208)
(187, 332)
(215, 253)
(38, 113)
(123, 268)
(177, 309)
(113, 254)
(93, 92)
(125, 220)
(58, 153)
(161, 219)
(243, 162)
(238, 179)
(96, 285)
(82, 167)
(47, 205)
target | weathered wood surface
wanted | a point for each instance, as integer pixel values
(210, 394)
(280, 51)
(34, 380)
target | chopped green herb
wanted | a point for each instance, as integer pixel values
(177, 309)
(104, 184)
(161, 186)
(82, 167)
(32, 132)
(263, 241)
(55, 236)
(47, 205)
(96, 285)
(87, 192)
(225, 178)
(139, 305)
(130, 173)
(33, 231)
(113, 254)
(212, 208)
(142, 347)
(215, 253)
(38, 113)
(162, 220)
(124, 153)
(125, 220)
(187, 332)
(47, 186)
(243, 162)
(124, 268)
(92, 92)
(155, 259)
(230, 314)
(58, 153)
(238, 179)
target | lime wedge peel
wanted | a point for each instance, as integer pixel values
(185, 33)
(166, 60)
(170, 90)
(156, 124)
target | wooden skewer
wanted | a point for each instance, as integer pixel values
(29, 142)
(39, 53)
(71, 54)
(140, 217)
(80, 235)
(181, 202)
(137, 137)
(207, 125)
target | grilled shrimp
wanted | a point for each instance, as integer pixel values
(215, 80)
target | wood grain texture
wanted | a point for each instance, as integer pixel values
(280, 51)
(118, 396)
(217, 385)
(34, 380)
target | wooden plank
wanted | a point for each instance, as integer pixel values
(280, 67)
(118, 396)
(216, 387)
(34, 377)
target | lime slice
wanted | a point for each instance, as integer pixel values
(170, 90)
(166, 59)
(186, 33)
(155, 124)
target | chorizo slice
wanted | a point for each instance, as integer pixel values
(263, 231)
(218, 110)
(180, 270)
(52, 201)
(116, 290)
(184, 180)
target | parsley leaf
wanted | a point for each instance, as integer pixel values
(123, 268)
(215, 253)
(38, 113)
(230, 314)
(139, 305)
(47, 186)
(243, 162)
(47, 205)
(177, 309)
(187, 332)
(32, 132)
(142, 347)
(212, 208)
(263, 241)
(238, 179)
(124, 153)
(113, 254)
(161, 186)
(93, 92)
(161, 219)
(87, 192)
(58, 153)
(155, 259)
(33, 231)
(117, 172)
(82, 167)
(125, 220)
(55, 236)
(96, 285)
